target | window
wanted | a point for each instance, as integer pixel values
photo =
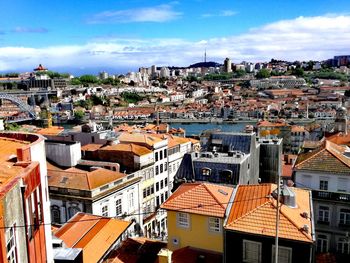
(214, 224)
(323, 214)
(166, 181)
(157, 201)
(162, 198)
(161, 184)
(55, 214)
(131, 200)
(322, 244)
(165, 153)
(152, 189)
(251, 251)
(73, 210)
(284, 254)
(156, 156)
(148, 191)
(344, 216)
(157, 170)
(157, 186)
(165, 167)
(11, 247)
(161, 168)
(170, 170)
(118, 207)
(161, 155)
(342, 184)
(166, 195)
(206, 171)
(343, 246)
(323, 185)
(144, 193)
(104, 210)
(183, 220)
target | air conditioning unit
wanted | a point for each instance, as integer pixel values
(176, 241)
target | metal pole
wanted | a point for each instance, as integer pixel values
(277, 217)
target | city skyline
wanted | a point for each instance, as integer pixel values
(120, 36)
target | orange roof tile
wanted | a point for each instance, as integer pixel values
(128, 147)
(54, 130)
(200, 198)
(139, 138)
(254, 211)
(91, 147)
(74, 178)
(94, 234)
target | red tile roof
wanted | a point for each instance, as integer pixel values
(200, 198)
(254, 211)
(94, 234)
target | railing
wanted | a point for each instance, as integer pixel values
(334, 196)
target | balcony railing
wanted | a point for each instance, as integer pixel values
(334, 196)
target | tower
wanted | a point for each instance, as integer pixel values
(227, 65)
(341, 122)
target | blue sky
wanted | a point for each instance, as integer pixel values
(124, 35)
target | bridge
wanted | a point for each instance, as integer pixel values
(22, 105)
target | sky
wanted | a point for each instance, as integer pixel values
(86, 36)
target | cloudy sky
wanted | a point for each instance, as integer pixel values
(118, 36)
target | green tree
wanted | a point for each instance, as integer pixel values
(299, 72)
(88, 79)
(75, 81)
(263, 74)
(78, 115)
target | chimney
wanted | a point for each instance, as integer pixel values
(164, 255)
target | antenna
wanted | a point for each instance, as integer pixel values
(205, 55)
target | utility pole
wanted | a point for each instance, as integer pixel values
(277, 217)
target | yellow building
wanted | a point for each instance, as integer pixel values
(196, 213)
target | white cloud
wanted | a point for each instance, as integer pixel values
(30, 30)
(302, 38)
(223, 13)
(161, 13)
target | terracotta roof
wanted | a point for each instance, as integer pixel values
(287, 170)
(296, 128)
(91, 147)
(340, 139)
(328, 157)
(139, 138)
(94, 234)
(74, 178)
(200, 198)
(135, 250)
(128, 147)
(254, 211)
(54, 130)
(8, 150)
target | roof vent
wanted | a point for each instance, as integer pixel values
(287, 196)
(305, 214)
(222, 192)
(305, 228)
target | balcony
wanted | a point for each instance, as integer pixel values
(330, 196)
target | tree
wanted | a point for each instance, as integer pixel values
(78, 115)
(88, 79)
(75, 81)
(263, 74)
(299, 72)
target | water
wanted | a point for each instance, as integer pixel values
(197, 128)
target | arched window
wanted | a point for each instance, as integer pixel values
(73, 210)
(55, 214)
(226, 176)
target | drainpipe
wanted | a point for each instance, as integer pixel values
(23, 188)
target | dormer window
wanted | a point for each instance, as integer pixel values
(206, 171)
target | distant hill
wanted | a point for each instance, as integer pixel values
(205, 65)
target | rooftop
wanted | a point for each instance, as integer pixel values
(254, 211)
(200, 198)
(94, 234)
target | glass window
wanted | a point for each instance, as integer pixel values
(161, 184)
(157, 170)
(156, 156)
(166, 195)
(104, 210)
(251, 251)
(165, 167)
(214, 224)
(157, 201)
(73, 210)
(342, 184)
(161, 155)
(344, 216)
(161, 168)
(324, 185)
(152, 189)
(11, 246)
(144, 193)
(55, 214)
(343, 246)
(284, 254)
(118, 207)
(183, 220)
(322, 244)
(131, 200)
(323, 214)
(165, 153)
(157, 186)
(166, 181)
